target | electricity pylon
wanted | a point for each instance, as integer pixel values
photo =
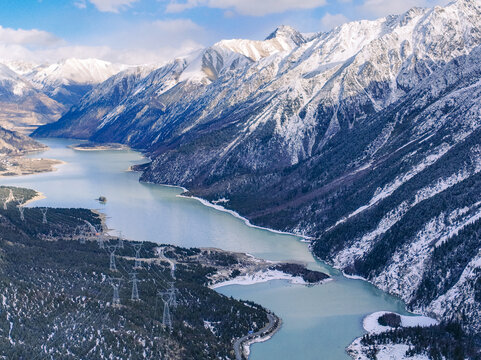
(112, 249)
(8, 199)
(166, 318)
(80, 233)
(101, 241)
(135, 289)
(20, 207)
(116, 286)
(121, 240)
(173, 294)
(138, 264)
(44, 215)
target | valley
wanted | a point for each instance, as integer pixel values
(364, 138)
(340, 171)
(327, 316)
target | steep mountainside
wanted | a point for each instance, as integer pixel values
(366, 137)
(33, 95)
(13, 143)
(22, 105)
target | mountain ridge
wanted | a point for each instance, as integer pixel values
(365, 138)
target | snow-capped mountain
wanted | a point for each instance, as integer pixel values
(365, 137)
(22, 105)
(68, 80)
(34, 94)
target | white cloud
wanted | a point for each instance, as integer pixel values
(148, 42)
(330, 21)
(247, 7)
(32, 37)
(112, 5)
(377, 8)
(157, 41)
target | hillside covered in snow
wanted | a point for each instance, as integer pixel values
(366, 138)
(33, 95)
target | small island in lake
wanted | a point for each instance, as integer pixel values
(92, 146)
(102, 199)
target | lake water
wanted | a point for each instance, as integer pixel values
(318, 321)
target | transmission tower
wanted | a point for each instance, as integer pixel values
(92, 228)
(121, 240)
(138, 264)
(135, 289)
(116, 286)
(101, 241)
(9, 198)
(44, 215)
(112, 250)
(20, 207)
(81, 233)
(166, 319)
(173, 294)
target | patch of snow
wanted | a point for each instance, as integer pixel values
(372, 326)
(260, 277)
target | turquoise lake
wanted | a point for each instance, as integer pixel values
(318, 321)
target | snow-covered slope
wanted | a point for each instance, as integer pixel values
(33, 94)
(22, 106)
(68, 80)
(75, 71)
(366, 137)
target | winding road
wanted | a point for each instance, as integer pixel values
(266, 329)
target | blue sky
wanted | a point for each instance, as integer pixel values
(145, 31)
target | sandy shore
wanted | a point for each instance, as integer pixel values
(38, 196)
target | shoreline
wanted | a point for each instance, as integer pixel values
(39, 196)
(242, 345)
(234, 213)
(302, 238)
(263, 277)
(248, 223)
(370, 324)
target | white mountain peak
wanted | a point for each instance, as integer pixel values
(75, 71)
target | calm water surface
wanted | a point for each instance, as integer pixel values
(318, 322)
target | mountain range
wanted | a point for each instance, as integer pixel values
(36, 94)
(365, 138)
